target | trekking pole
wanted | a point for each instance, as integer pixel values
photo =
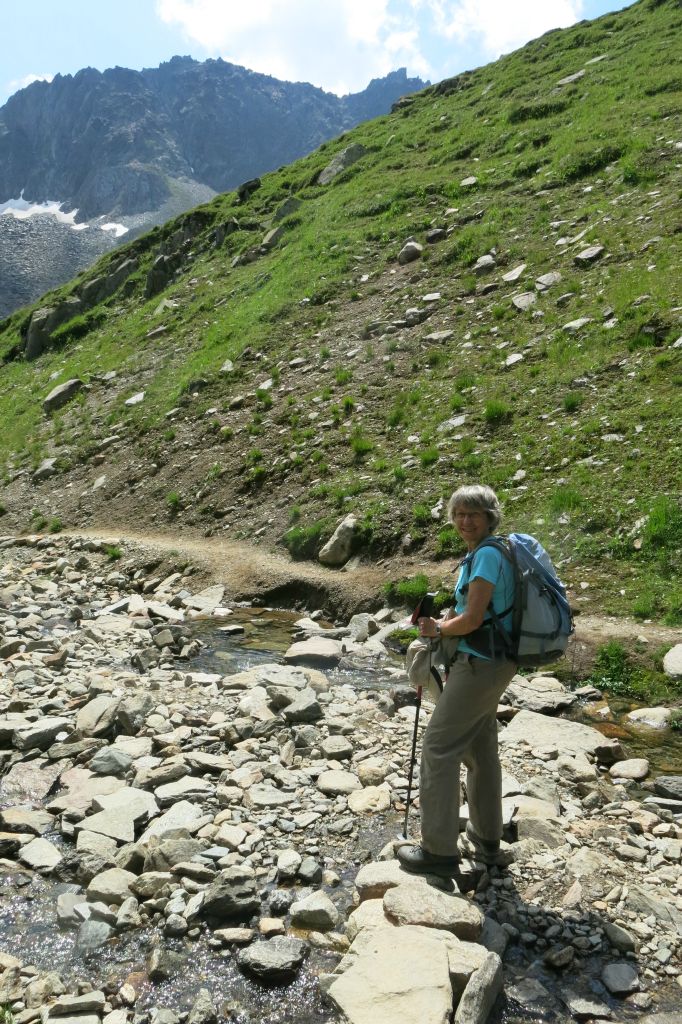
(412, 759)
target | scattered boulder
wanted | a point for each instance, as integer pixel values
(61, 394)
(339, 547)
(410, 252)
(672, 662)
(346, 158)
(275, 961)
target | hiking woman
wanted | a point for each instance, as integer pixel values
(463, 726)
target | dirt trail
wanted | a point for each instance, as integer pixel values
(249, 571)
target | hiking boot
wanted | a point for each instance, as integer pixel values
(486, 851)
(419, 861)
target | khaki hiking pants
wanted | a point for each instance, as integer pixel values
(463, 728)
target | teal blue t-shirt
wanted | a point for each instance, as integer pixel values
(487, 564)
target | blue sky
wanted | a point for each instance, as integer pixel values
(338, 45)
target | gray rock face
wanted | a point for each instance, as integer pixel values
(669, 786)
(315, 911)
(317, 652)
(92, 934)
(346, 158)
(98, 716)
(540, 731)
(339, 547)
(41, 734)
(589, 255)
(62, 394)
(381, 983)
(277, 960)
(232, 896)
(672, 662)
(620, 979)
(410, 252)
(543, 694)
(482, 989)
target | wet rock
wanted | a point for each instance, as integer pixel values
(275, 961)
(669, 786)
(315, 911)
(18, 819)
(620, 938)
(316, 652)
(232, 895)
(41, 855)
(583, 1008)
(651, 718)
(92, 934)
(112, 886)
(620, 979)
(203, 1010)
(30, 780)
(163, 963)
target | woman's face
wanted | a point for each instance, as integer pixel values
(472, 525)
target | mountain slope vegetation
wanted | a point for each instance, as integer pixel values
(291, 378)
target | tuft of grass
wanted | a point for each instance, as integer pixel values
(565, 499)
(496, 411)
(305, 541)
(113, 552)
(408, 592)
(429, 456)
(572, 401)
(174, 502)
(360, 445)
(55, 525)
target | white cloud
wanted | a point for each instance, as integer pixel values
(499, 26)
(21, 83)
(341, 44)
(338, 46)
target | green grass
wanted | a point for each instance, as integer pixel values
(615, 671)
(587, 155)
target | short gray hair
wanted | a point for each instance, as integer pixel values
(476, 496)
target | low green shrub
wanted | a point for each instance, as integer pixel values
(305, 541)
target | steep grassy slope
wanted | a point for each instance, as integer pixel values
(339, 400)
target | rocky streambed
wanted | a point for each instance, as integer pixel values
(184, 844)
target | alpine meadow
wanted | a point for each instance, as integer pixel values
(483, 285)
